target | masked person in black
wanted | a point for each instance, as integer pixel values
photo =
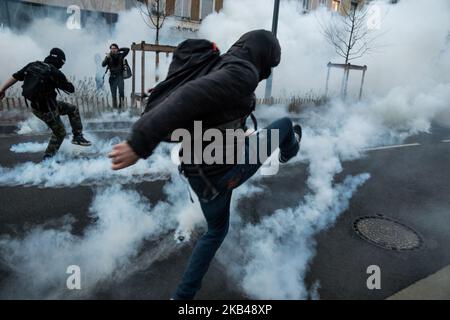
(220, 93)
(40, 82)
(114, 62)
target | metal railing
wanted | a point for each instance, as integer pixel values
(92, 106)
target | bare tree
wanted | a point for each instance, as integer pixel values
(350, 35)
(154, 16)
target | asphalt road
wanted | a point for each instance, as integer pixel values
(410, 184)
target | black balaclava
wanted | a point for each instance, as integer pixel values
(115, 57)
(57, 58)
(261, 48)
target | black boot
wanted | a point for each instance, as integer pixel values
(47, 156)
(298, 132)
(298, 136)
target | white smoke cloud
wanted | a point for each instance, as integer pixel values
(82, 45)
(277, 251)
(403, 55)
(74, 166)
(99, 147)
(406, 91)
(32, 125)
(105, 251)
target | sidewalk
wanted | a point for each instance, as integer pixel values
(433, 287)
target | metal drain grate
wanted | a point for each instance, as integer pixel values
(387, 233)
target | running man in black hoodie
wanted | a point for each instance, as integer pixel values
(46, 107)
(221, 98)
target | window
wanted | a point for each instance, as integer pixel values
(335, 5)
(207, 8)
(154, 6)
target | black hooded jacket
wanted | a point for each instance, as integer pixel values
(58, 81)
(115, 61)
(222, 95)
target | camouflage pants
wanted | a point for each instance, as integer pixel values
(54, 122)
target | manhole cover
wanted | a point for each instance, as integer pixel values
(387, 233)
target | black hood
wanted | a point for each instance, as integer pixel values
(261, 48)
(57, 58)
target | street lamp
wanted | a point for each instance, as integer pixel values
(276, 11)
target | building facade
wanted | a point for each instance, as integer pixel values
(334, 5)
(18, 14)
(193, 10)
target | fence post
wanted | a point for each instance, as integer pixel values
(78, 105)
(142, 69)
(133, 80)
(347, 73)
(362, 82)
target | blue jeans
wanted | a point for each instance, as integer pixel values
(116, 83)
(217, 211)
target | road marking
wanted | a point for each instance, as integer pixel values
(393, 147)
(445, 141)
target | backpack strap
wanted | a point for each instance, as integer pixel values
(255, 122)
(107, 69)
(238, 123)
(211, 192)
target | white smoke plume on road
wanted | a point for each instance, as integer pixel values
(99, 146)
(105, 251)
(73, 167)
(402, 56)
(406, 92)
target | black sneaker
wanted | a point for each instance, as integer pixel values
(298, 133)
(81, 141)
(47, 157)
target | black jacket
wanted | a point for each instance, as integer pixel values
(115, 61)
(224, 94)
(59, 81)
